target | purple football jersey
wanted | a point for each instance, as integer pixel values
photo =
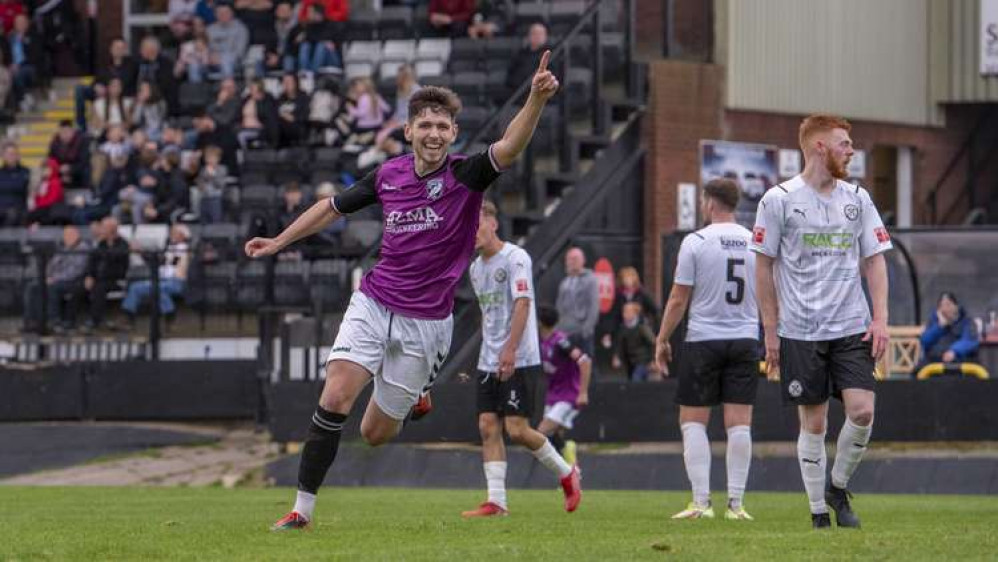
(429, 232)
(564, 376)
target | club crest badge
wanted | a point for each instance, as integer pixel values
(434, 189)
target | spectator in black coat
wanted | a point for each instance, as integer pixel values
(121, 66)
(155, 67)
(526, 59)
(70, 147)
(260, 123)
(14, 182)
(174, 195)
(27, 59)
(225, 109)
(209, 133)
(64, 275)
(292, 111)
(106, 269)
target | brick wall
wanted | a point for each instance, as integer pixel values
(685, 105)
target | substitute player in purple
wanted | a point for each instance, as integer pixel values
(397, 328)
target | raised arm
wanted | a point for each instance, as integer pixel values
(521, 128)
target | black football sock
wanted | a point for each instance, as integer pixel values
(319, 452)
(558, 441)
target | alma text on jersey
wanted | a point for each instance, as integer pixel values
(416, 220)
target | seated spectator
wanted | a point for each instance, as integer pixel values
(121, 66)
(292, 111)
(107, 266)
(293, 204)
(482, 25)
(451, 18)
(391, 137)
(64, 276)
(149, 110)
(27, 58)
(206, 11)
(15, 180)
(331, 236)
(332, 10)
(950, 335)
(174, 197)
(211, 182)
(111, 109)
(258, 16)
(284, 23)
(134, 199)
(327, 116)
(528, 57)
(315, 40)
(635, 349)
(629, 289)
(48, 201)
(116, 143)
(209, 133)
(369, 108)
(157, 68)
(228, 40)
(116, 176)
(172, 277)
(194, 55)
(70, 147)
(9, 10)
(225, 109)
(182, 10)
(259, 125)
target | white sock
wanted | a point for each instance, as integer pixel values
(811, 455)
(305, 504)
(851, 446)
(738, 459)
(696, 456)
(550, 458)
(495, 477)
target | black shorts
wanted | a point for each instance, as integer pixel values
(813, 371)
(718, 372)
(506, 398)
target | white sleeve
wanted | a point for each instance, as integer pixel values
(768, 225)
(873, 239)
(686, 263)
(521, 282)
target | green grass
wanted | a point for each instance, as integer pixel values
(405, 524)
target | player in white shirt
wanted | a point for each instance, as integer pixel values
(502, 277)
(719, 361)
(816, 236)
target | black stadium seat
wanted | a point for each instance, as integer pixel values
(195, 97)
(470, 86)
(395, 22)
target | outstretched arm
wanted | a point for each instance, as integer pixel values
(521, 128)
(314, 220)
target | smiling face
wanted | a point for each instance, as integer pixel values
(431, 133)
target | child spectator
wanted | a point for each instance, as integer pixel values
(635, 349)
(211, 183)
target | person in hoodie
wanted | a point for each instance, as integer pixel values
(228, 39)
(578, 300)
(950, 335)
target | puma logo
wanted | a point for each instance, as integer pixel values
(812, 461)
(801, 213)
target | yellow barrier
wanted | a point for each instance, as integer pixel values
(966, 369)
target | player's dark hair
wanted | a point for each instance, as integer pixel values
(547, 315)
(724, 191)
(948, 295)
(436, 99)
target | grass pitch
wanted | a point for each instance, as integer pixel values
(405, 524)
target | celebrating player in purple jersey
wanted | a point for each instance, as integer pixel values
(397, 328)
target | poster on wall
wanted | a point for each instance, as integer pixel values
(753, 166)
(989, 37)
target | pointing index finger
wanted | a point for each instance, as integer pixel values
(544, 61)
